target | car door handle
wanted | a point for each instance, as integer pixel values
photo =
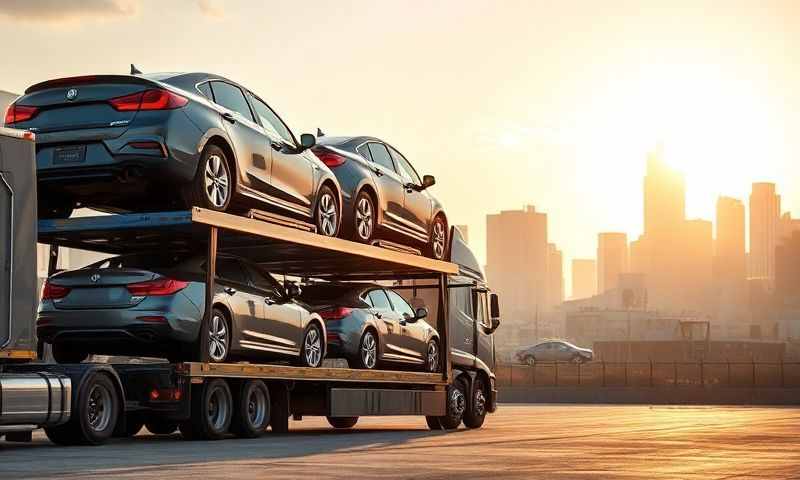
(277, 146)
(229, 117)
(377, 171)
(230, 290)
(402, 323)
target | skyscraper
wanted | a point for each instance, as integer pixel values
(664, 196)
(697, 265)
(729, 257)
(765, 208)
(584, 277)
(612, 259)
(555, 276)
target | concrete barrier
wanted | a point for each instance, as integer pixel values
(652, 395)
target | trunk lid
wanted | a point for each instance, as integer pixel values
(99, 287)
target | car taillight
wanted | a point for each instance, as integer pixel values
(156, 99)
(329, 158)
(19, 113)
(54, 292)
(158, 287)
(337, 313)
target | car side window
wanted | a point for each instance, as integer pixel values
(205, 89)
(363, 150)
(381, 156)
(399, 303)
(270, 121)
(232, 98)
(379, 300)
(367, 300)
(262, 280)
(404, 168)
(231, 270)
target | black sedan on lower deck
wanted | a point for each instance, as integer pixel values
(372, 326)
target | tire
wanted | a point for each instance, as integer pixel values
(212, 409)
(476, 414)
(252, 413)
(433, 423)
(63, 353)
(214, 184)
(437, 245)
(456, 404)
(367, 351)
(161, 427)
(342, 422)
(133, 425)
(312, 352)
(97, 409)
(432, 356)
(214, 343)
(364, 218)
(327, 212)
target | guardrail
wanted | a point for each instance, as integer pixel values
(650, 374)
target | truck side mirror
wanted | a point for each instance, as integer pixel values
(494, 307)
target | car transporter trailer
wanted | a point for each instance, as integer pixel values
(83, 403)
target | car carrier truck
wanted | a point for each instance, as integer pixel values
(87, 403)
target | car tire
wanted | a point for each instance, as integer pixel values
(368, 351)
(213, 185)
(63, 353)
(327, 212)
(313, 349)
(214, 342)
(212, 409)
(342, 422)
(432, 356)
(94, 418)
(456, 405)
(161, 427)
(437, 245)
(364, 218)
(476, 414)
(251, 415)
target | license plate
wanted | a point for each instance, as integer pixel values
(66, 155)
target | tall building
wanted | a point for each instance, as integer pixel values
(787, 271)
(729, 256)
(584, 278)
(787, 227)
(516, 266)
(765, 208)
(697, 264)
(664, 196)
(612, 259)
(555, 276)
(464, 232)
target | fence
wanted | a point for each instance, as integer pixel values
(650, 374)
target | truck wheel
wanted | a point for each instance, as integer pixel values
(212, 406)
(133, 424)
(474, 416)
(342, 422)
(63, 353)
(433, 423)
(456, 405)
(161, 427)
(251, 415)
(95, 415)
(279, 416)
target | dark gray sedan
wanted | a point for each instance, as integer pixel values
(139, 305)
(371, 326)
(554, 351)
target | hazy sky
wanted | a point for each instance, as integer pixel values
(549, 103)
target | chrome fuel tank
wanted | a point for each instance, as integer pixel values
(41, 399)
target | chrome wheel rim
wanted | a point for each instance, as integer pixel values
(327, 218)
(218, 339)
(218, 409)
(99, 408)
(438, 239)
(313, 348)
(458, 403)
(433, 357)
(364, 219)
(256, 407)
(217, 184)
(369, 351)
(480, 402)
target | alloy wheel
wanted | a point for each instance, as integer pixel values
(313, 347)
(369, 351)
(327, 217)
(479, 402)
(217, 181)
(438, 239)
(218, 339)
(256, 406)
(100, 408)
(433, 357)
(364, 219)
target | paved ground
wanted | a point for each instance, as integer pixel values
(520, 441)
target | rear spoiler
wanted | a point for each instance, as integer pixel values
(72, 81)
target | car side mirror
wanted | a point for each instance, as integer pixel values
(421, 313)
(427, 182)
(307, 141)
(292, 290)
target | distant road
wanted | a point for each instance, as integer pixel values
(524, 442)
